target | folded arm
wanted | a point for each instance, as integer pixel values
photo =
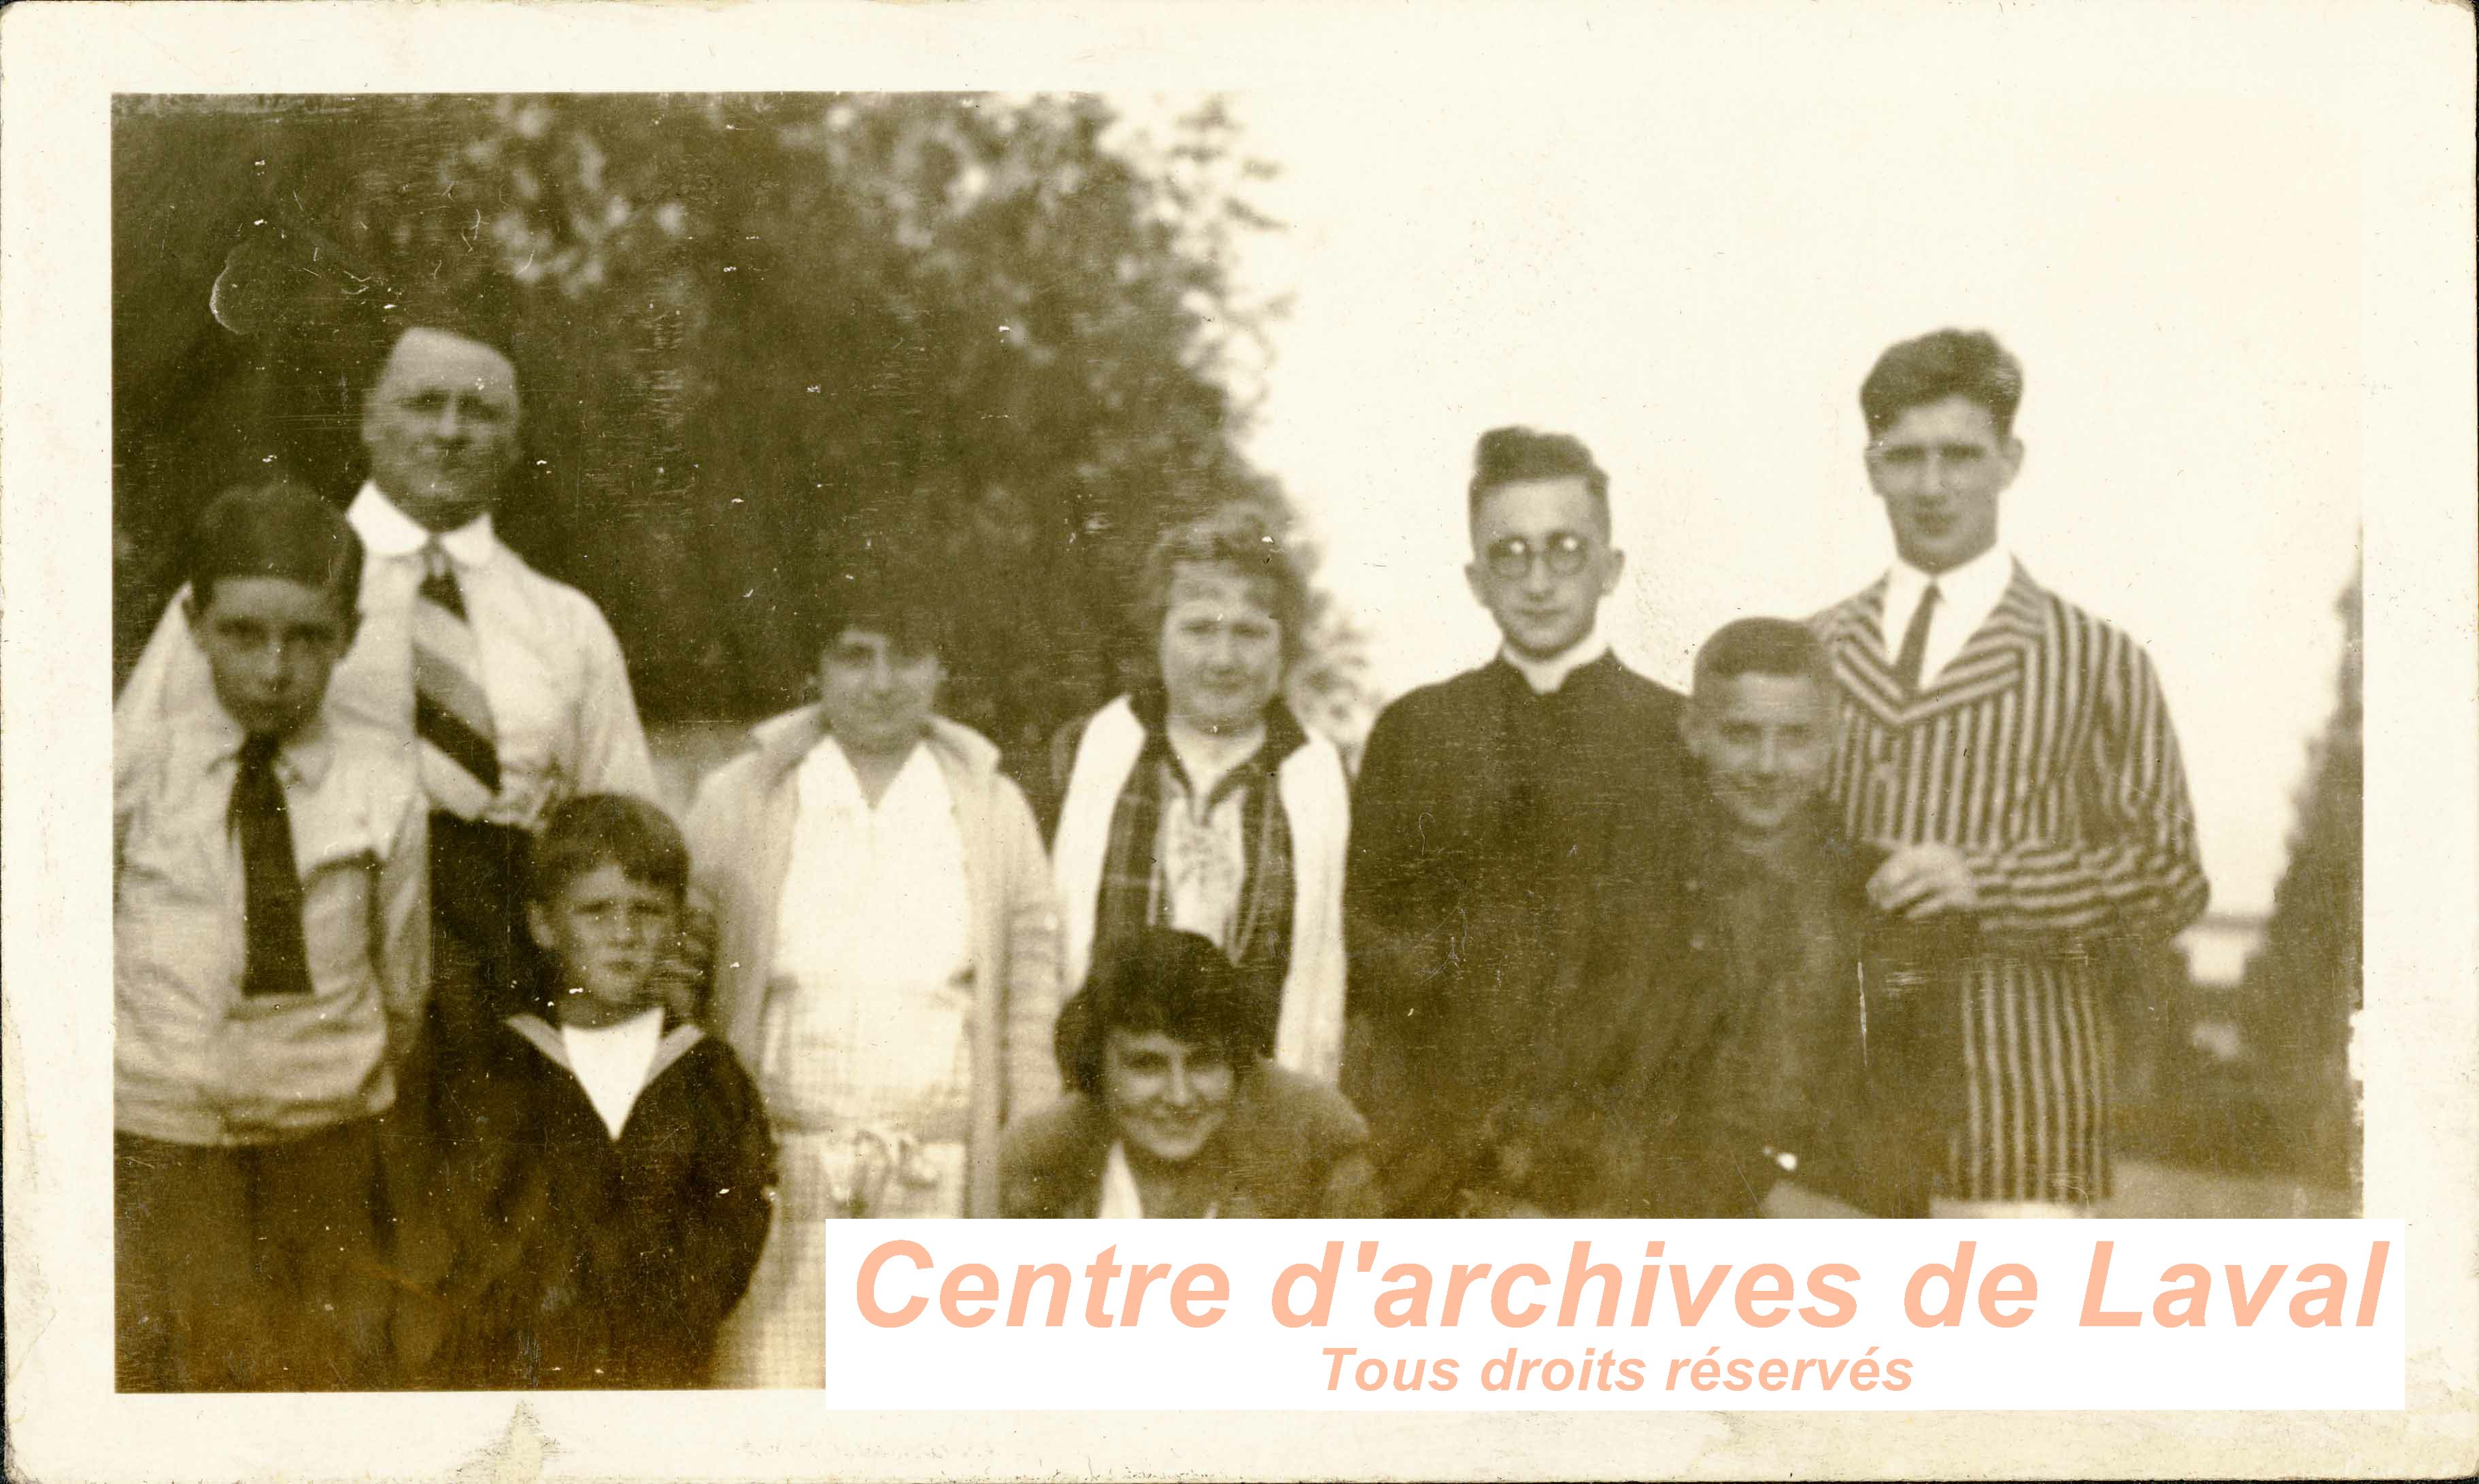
(2132, 869)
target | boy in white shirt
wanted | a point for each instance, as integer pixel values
(270, 965)
(608, 1174)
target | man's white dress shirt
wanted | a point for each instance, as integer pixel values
(1966, 595)
(558, 688)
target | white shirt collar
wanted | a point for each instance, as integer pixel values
(389, 531)
(1119, 1199)
(211, 739)
(610, 1061)
(1545, 676)
(1973, 586)
(1966, 596)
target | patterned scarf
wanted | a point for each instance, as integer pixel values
(1134, 893)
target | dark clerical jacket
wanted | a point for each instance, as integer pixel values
(1485, 827)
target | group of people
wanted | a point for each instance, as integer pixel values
(444, 1058)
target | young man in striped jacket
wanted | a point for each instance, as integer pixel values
(2016, 754)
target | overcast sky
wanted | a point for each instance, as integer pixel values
(1695, 280)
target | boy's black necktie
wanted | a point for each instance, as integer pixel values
(1915, 643)
(278, 962)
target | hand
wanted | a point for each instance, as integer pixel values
(1922, 880)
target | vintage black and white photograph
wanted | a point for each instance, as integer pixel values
(690, 664)
(812, 670)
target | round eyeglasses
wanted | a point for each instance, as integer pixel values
(1565, 554)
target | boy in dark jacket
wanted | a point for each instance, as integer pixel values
(1777, 1060)
(608, 1166)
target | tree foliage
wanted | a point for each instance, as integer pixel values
(2304, 984)
(764, 341)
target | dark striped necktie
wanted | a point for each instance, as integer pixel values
(275, 961)
(451, 714)
(1915, 643)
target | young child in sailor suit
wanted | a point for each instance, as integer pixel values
(608, 1165)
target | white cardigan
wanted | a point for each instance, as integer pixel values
(1317, 801)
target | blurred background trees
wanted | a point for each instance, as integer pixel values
(2304, 987)
(763, 340)
(2250, 1076)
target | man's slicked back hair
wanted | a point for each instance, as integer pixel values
(1512, 456)
(1938, 365)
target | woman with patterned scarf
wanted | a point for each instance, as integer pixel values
(1200, 803)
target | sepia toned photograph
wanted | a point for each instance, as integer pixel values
(698, 622)
(694, 665)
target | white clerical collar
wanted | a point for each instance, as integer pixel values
(1544, 676)
(389, 531)
(1972, 588)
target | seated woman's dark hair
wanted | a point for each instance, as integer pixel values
(1161, 979)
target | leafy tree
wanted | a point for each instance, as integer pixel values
(765, 341)
(2304, 984)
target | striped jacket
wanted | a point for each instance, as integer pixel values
(2044, 753)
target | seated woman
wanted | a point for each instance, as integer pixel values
(1174, 1110)
(1200, 803)
(886, 957)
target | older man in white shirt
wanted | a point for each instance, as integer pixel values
(509, 684)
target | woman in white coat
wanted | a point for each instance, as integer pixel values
(885, 963)
(1200, 803)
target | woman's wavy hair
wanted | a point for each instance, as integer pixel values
(1161, 979)
(1243, 538)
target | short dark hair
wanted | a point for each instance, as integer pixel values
(1241, 536)
(1936, 365)
(1161, 979)
(1508, 455)
(482, 308)
(275, 527)
(1761, 646)
(594, 831)
(901, 602)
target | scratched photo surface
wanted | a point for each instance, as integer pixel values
(1040, 553)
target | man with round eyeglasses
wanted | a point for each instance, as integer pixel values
(1494, 815)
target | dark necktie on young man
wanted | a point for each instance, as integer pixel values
(1915, 643)
(275, 959)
